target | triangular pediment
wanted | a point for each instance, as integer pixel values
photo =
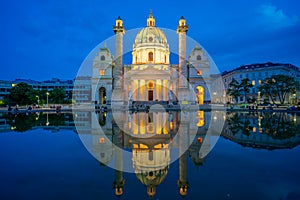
(151, 70)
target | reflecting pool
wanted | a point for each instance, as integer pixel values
(142, 155)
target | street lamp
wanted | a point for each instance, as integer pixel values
(47, 98)
(38, 99)
(47, 123)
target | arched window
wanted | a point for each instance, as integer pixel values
(150, 56)
(198, 57)
(150, 85)
(102, 72)
(102, 58)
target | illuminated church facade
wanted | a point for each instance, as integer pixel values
(151, 77)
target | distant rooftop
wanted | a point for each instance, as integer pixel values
(52, 81)
(261, 66)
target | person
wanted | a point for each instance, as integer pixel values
(9, 109)
(17, 108)
(270, 107)
(58, 108)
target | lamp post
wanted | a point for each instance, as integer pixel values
(47, 98)
(47, 123)
(38, 99)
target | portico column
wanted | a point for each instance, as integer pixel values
(154, 121)
(132, 91)
(162, 89)
(168, 89)
(154, 90)
(139, 90)
(145, 91)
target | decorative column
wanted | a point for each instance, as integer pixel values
(119, 180)
(118, 83)
(183, 147)
(183, 90)
(181, 31)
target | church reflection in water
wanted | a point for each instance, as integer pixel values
(146, 143)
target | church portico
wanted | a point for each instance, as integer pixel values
(150, 90)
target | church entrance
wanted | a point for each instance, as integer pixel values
(150, 90)
(150, 95)
(102, 95)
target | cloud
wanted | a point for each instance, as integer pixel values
(275, 18)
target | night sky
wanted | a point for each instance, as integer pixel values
(45, 39)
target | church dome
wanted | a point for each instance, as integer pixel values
(151, 36)
(150, 45)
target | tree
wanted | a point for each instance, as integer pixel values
(266, 89)
(245, 86)
(279, 86)
(57, 95)
(22, 94)
(234, 89)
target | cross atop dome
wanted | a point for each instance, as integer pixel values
(150, 19)
(150, 15)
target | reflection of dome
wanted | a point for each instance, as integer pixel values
(151, 167)
(151, 179)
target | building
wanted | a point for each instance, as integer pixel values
(47, 85)
(5, 86)
(82, 90)
(151, 77)
(256, 73)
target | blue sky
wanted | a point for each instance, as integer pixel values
(45, 39)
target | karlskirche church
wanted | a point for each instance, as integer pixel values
(151, 77)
